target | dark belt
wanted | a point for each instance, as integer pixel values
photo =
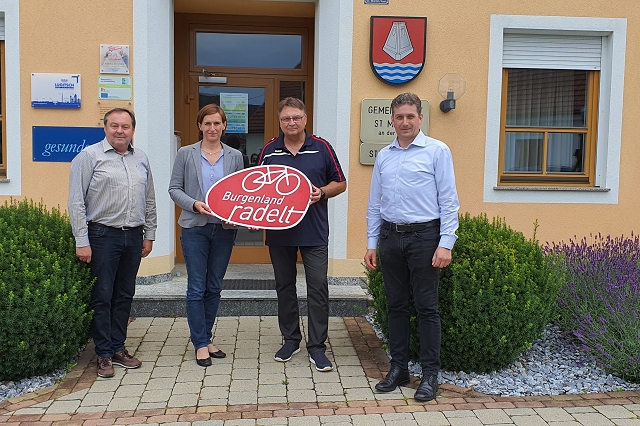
(412, 227)
(119, 228)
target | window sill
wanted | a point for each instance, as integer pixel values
(551, 188)
(5, 180)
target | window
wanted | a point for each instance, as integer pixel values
(549, 126)
(218, 49)
(3, 139)
(554, 109)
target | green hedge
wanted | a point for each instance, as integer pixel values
(44, 291)
(495, 298)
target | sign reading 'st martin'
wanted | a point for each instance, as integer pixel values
(398, 47)
(62, 144)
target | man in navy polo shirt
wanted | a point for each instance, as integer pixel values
(314, 157)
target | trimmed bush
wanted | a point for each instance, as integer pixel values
(44, 291)
(496, 297)
(600, 303)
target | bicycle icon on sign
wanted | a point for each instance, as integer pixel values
(286, 183)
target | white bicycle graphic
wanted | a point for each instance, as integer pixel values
(283, 180)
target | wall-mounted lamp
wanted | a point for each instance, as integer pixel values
(451, 88)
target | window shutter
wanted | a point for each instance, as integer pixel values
(1, 26)
(551, 52)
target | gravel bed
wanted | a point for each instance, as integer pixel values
(32, 384)
(552, 366)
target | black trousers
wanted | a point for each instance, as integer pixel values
(115, 259)
(315, 260)
(406, 267)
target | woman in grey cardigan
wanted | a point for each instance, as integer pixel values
(206, 244)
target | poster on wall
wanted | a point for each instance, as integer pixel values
(114, 87)
(114, 59)
(55, 90)
(236, 108)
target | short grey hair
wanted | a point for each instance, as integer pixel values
(293, 103)
(406, 99)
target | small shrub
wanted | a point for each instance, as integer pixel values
(600, 302)
(44, 291)
(495, 298)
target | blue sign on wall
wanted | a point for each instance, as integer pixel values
(62, 144)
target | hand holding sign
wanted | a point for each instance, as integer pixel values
(269, 197)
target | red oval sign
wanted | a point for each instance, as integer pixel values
(268, 197)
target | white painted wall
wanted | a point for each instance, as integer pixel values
(12, 94)
(332, 102)
(153, 102)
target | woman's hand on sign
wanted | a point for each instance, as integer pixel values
(202, 208)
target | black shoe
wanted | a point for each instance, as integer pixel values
(203, 362)
(217, 354)
(427, 389)
(396, 377)
(320, 360)
(287, 350)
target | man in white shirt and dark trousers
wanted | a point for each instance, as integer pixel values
(412, 216)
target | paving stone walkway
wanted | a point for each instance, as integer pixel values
(250, 388)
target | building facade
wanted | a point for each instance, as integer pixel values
(544, 131)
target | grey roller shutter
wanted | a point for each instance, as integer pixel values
(544, 51)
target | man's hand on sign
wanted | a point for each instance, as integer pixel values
(316, 193)
(202, 208)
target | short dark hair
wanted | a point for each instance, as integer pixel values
(131, 114)
(293, 103)
(208, 110)
(406, 99)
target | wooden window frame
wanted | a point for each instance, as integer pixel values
(3, 131)
(545, 178)
(251, 25)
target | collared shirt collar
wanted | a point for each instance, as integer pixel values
(106, 146)
(279, 143)
(419, 140)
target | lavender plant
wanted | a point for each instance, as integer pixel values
(600, 301)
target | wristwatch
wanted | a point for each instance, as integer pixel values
(322, 194)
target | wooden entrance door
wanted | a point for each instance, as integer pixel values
(259, 61)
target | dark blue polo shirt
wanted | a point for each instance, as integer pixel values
(318, 161)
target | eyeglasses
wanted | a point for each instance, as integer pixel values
(296, 119)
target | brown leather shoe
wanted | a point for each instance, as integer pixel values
(123, 359)
(105, 368)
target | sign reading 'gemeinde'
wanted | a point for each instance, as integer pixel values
(267, 197)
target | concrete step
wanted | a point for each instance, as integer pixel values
(247, 290)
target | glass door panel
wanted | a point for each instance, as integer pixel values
(250, 125)
(245, 125)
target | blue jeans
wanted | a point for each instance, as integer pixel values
(115, 258)
(207, 250)
(405, 261)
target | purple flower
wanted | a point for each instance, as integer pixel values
(602, 281)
